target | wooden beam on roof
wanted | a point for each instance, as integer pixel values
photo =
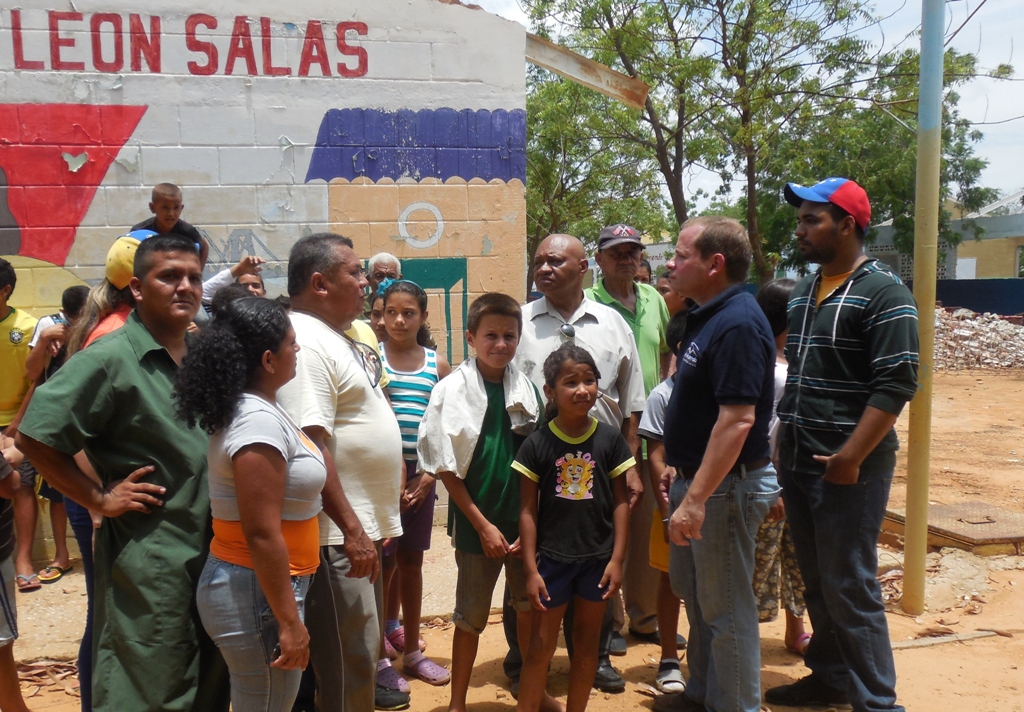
(585, 71)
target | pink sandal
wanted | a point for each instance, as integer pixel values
(427, 670)
(397, 640)
(389, 650)
(801, 644)
(390, 678)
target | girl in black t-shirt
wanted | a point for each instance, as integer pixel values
(574, 518)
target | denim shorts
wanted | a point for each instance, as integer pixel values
(417, 526)
(564, 579)
(238, 618)
(477, 576)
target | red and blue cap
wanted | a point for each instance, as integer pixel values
(842, 192)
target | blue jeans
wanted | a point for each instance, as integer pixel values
(81, 525)
(714, 577)
(238, 618)
(835, 530)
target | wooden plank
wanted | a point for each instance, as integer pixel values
(585, 71)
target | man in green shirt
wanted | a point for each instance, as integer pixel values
(113, 401)
(619, 254)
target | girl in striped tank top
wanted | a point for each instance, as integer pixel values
(414, 370)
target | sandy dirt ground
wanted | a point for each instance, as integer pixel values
(977, 455)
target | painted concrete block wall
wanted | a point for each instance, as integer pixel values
(996, 258)
(399, 123)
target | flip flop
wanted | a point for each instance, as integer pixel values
(52, 574)
(801, 644)
(670, 678)
(427, 670)
(26, 584)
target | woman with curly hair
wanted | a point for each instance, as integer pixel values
(265, 481)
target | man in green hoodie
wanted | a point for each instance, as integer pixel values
(853, 355)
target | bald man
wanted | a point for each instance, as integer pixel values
(564, 314)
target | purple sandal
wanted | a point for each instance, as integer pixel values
(397, 640)
(389, 650)
(428, 671)
(390, 678)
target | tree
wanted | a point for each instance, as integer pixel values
(765, 91)
(728, 75)
(871, 138)
(574, 183)
(646, 40)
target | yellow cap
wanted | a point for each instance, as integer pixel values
(121, 261)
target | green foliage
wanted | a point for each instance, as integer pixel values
(574, 184)
(759, 92)
(872, 139)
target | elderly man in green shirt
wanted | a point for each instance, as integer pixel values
(619, 253)
(113, 401)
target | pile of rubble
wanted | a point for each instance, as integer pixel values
(966, 340)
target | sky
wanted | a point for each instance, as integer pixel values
(996, 107)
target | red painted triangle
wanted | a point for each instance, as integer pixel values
(54, 157)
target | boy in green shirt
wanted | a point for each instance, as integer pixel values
(473, 458)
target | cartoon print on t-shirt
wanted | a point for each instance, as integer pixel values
(575, 476)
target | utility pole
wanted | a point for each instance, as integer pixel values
(926, 235)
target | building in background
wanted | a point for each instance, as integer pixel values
(398, 123)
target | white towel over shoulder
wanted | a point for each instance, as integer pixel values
(455, 415)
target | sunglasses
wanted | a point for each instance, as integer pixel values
(371, 361)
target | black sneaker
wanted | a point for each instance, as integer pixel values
(384, 698)
(617, 646)
(608, 679)
(677, 702)
(807, 692)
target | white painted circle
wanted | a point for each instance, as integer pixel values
(403, 227)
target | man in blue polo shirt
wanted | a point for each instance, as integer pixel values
(716, 436)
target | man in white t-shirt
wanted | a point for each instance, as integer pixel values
(337, 400)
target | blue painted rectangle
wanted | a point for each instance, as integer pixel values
(517, 130)
(381, 128)
(441, 143)
(467, 128)
(425, 161)
(484, 129)
(346, 127)
(502, 164)
(467, 163)
(518, 161)
(446, 128)
(353, 161)
(424, 131)
(406, 128)
(500, 129)
(381, 163)
(448, 162)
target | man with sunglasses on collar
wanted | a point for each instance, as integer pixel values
(337, 399)
(563, 314)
